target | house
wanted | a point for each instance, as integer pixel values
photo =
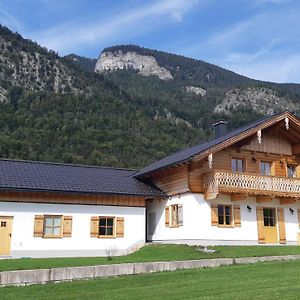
(238, 188)
(60, 210)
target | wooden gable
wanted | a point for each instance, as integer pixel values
(271, 143)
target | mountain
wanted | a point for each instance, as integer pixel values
(220, 90)
(127, 108)
(88, 119)
(84, 63)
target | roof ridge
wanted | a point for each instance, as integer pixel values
(65, 164)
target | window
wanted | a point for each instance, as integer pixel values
(106, 226)
(291, 171)
(3, 223)
(174, 215)
(265, 168)
(224, 215)
(269, 217)
(53, 226)
(237, 165)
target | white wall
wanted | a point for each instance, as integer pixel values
(197, 220)
(24, 244)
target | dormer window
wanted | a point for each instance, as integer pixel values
(237, 165)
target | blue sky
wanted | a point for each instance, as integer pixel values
(256, 38)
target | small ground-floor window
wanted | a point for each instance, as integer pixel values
(224, 215)
(53, 226)
(106, 226)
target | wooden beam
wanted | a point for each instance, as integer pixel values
(238, 197)
(210, 196)
(261, 199)
(287, 200)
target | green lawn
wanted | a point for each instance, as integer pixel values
(259, 281)
(157, 252)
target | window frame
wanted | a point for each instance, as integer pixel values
(271, 167)
(274, 218)
(243, 164)
(57, 236)
(295, 170)
(172, 207)
(230, 225)
(113, 227)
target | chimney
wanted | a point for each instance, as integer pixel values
(219, 128)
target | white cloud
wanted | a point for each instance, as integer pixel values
(277, 69)
(263, 46)
(66, 37)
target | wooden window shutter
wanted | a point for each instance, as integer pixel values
(214, 215)
(38, 226)
(237, 215)
(281, 225)
(298, 171)
(180, 215)
(167, 216)
(273, 167)
(120, 227)
(67, 226)
(94, 227)
(260, 225)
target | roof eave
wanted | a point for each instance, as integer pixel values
(35, 190)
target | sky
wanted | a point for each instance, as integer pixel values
(256, 38)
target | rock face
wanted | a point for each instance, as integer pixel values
(146, 65)
(196, 90)
(33, 70)
(262, 100)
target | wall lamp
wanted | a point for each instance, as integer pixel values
(291, 211)
(249, 208)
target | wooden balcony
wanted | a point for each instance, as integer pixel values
(250, 184)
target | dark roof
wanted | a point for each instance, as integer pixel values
(187, 154)
(54, 177)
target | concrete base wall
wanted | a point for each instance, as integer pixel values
(28, 277)
(192, 242)
(76, 253)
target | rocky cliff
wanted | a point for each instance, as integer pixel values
(145, 65)
(259, 99)
(24, 63)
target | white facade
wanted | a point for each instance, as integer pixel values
(24, 244)
(197, 221)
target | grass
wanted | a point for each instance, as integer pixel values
(259, 281)
(156, 252)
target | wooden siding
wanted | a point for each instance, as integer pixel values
(71, 199)
(274, 148)
(173, 181)
(271, 143)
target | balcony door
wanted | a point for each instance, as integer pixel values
(270, 225)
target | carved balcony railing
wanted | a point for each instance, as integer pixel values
(251, 184)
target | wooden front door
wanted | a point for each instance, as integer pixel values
(5, 235)
(270, 225)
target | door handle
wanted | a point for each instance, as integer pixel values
(10, 235)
